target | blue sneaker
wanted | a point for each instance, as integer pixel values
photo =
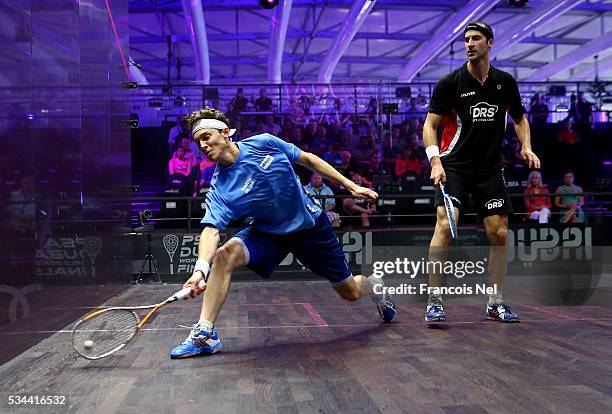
(384, 302)
(500, 312)
(435, 313)
(199, 342)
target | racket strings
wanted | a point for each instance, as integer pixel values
(105, 332)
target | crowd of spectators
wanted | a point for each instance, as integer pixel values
(568, 199)
(364, 147)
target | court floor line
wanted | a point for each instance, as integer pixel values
(114, 306)
(314, 314)
(544, 309)
(556, 312)
(364, 325)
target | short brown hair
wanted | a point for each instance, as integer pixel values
(206, 113)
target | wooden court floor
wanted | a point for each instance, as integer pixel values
(294, 347)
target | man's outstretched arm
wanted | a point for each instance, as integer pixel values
(316, 164)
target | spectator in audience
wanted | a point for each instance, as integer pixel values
(302, 113)
(346, 142)
(177, 133)
(537, 198)
(538, 111)
(566, 134)
(404, 131)
(296, 137)
(415, 140)
(205, 163)
(272, 130)
(239, 102)
(396, 133)
(263, 103)
(363, 153)
(413, 110)
(582, 114)
(373, 136)
(246, 133)
(180, 164)
(321, 142)
(237, 124)
(372, 107)
(376, 165)
(271, 123)
(334, 131)
(192, 150)
(339, 115)
(286, 129)
(333, 156)
(347, 164)
(515, 168)
(568, 200)
(415, 126)
(260, 127)
(231, 111)
(354, 206)
(390, 150)
(207, 171)
(408, 165)
(320, 190)
(310, 131)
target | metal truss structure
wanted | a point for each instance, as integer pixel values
(234, 41)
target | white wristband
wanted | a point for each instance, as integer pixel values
(432, 151)
(202, 266)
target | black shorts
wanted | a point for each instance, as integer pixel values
(488, 190)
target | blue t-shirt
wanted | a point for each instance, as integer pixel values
(262, 185)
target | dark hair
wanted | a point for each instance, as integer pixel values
(482, 27)
(206, 113)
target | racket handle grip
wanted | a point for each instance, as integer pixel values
(186, 291)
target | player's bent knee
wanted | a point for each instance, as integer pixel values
(350, 296)
(348, 292)
(229, 256)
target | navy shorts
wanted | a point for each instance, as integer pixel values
(316, 248)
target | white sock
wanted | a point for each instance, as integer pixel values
(434, 299)
(374, 281)
(495, 299)
(206, 324)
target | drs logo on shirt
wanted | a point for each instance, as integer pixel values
(483, 111)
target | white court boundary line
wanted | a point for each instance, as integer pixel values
(365, 325)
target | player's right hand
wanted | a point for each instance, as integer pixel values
(437, 172)
(196, 284)
(364, 193)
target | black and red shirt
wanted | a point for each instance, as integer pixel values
(475, 117)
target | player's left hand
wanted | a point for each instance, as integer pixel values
(530, 158)
(365, 193)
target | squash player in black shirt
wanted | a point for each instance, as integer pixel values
(472, 104)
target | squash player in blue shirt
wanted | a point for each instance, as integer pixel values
(254, 179)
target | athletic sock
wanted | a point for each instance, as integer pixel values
(434, 299)
(206, 324)
(495, 299)
(373, 282)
